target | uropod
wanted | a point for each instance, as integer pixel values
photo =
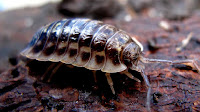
(92, 45)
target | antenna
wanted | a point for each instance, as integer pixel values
(193, 62)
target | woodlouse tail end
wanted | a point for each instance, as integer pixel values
(25, 52)
(28, 54)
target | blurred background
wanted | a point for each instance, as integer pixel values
(6, 5)
(175, 9)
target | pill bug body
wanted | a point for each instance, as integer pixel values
(85, 43)
(93, 45)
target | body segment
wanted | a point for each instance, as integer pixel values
(81, 42)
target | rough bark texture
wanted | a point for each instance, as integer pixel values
(174, 88)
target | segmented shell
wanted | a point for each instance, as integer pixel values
(81, 42)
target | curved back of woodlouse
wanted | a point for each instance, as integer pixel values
(90, 44)
(93, 45)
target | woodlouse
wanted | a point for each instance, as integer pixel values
(93, 45)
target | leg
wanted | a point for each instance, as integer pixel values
(55, 70)
(110, 82)
(94, 74)
(69, 66)
(47, 71)
(128, 74)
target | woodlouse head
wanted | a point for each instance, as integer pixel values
(131, 54)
